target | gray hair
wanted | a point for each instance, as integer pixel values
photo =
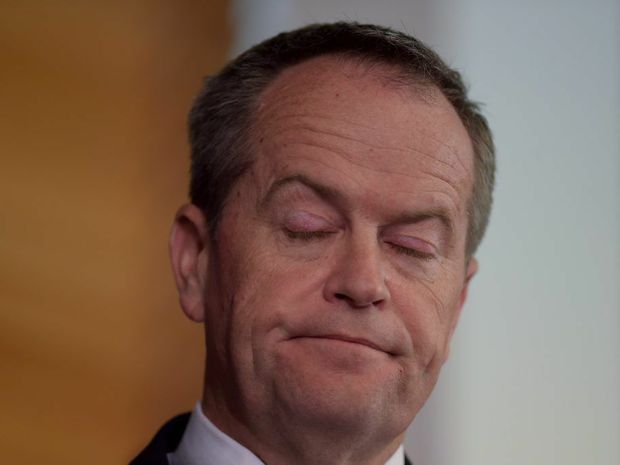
(221, 116)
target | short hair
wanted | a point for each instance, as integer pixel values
(221, 116)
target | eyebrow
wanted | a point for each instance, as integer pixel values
(325, 192)
(336, 197)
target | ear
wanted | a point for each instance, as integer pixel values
(472, 268)
(189, 255)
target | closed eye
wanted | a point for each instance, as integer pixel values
(307, 235)
(412, 252)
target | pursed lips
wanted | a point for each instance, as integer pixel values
(349, 339)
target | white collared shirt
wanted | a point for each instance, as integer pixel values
(204, 444)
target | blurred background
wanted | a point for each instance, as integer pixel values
(95, 354)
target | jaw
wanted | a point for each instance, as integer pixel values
(276, 443)
(304, 422)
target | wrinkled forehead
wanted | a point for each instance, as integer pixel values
(329, 68)
(334, 74)
(370, 101)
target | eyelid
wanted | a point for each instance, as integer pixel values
(301, 221)
(412, 243)
(307, 235)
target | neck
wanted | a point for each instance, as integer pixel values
(280, 441)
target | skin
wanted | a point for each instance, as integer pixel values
(338, 273)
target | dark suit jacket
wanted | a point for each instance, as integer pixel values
(167, 440)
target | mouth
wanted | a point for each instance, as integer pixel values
(347, 339)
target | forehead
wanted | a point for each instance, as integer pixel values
(356, 124)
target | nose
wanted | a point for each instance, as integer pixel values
(357, 276)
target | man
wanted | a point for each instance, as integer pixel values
(341, 183)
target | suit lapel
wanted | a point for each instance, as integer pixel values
(165, 441)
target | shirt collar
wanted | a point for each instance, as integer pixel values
(204, 444)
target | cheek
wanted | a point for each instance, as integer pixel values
(259, 289)
(267, 302)
(427, 310)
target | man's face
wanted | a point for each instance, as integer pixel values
(339, 268)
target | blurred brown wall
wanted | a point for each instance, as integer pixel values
(94, 352)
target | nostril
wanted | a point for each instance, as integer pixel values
(356, 303)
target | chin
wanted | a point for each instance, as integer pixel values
(346, 401)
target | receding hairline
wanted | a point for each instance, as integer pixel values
(220, 118)
(390, 74)
(394, 77)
